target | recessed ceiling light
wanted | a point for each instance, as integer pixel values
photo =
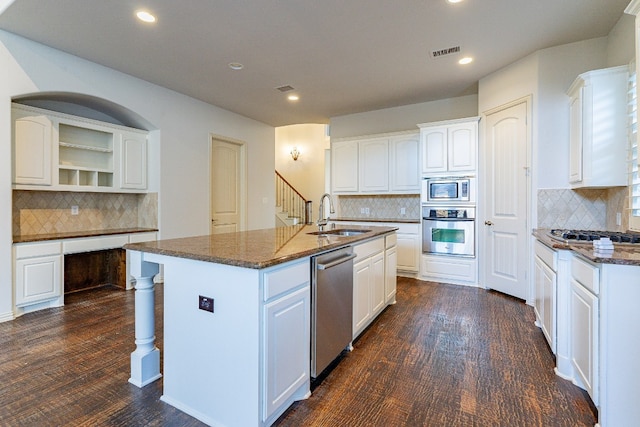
(236, 66)
(293, 97)
(466, 60)
(145, 16)
(454, 1)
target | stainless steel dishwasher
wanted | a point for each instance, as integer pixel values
(331, 306)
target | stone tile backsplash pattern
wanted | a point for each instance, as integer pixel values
(44, 212)
(583, 208)
(380, 207)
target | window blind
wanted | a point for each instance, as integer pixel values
(634, 176)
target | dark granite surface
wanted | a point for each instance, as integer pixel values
(403, 221)
(258, 248)
(622, 254)
(77, 234)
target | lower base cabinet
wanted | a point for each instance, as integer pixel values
(545, 283)
(390, 268)
(374, 280)
(584, 325)
(286, 364)
(449, 269)
(38, 274)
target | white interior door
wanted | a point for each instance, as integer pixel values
(226, 184)
(506, 182)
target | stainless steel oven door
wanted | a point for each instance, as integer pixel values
(448, 236)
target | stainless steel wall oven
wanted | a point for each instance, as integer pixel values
(448, 230)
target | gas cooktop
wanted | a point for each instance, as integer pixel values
(587, 236)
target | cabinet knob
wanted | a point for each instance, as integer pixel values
(489, 223)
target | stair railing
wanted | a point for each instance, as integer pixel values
(289, 199)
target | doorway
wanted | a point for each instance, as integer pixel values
(506, 229)
(227, 186)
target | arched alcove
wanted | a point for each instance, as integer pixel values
(87, 106)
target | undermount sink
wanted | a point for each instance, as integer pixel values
(339, 232)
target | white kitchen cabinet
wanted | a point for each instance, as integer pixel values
(82, 154)
(409, 244)
(545, 280)
(449, 146)
(133, 161)
(286, 323)
(598, 128)
(373, 166)
(390, 268)
(449, 269)
(85, 155)
(32, 148)
(38, 274)
(368, 283)
(584, 320)
(376, 164)
(344, 166)
(287, 327)
(404, 163)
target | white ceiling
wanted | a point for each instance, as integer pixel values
(341, 56)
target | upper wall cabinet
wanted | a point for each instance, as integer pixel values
(376, 164)
(598, 128)
(449, 146)
(32, 156)
(54, 151)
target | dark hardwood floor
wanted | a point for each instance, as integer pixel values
(442, 356)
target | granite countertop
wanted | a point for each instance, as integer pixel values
(258, 248)
(622, 254)
(403, 220)
(78, 234)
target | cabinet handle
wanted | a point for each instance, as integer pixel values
(489, 223)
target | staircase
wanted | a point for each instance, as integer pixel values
(290, 205)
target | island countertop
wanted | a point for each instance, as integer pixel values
(257, 249)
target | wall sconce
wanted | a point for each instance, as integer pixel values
(295, 153)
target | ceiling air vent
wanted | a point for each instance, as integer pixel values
(435, 54)
(285, 88)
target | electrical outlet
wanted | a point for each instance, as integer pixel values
(403, 211)
(366, 211)
(205, 303)
(618, 218)
(362, 210)
(74, 210)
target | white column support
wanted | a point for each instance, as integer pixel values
(145, 360)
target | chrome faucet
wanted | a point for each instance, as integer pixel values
(321, 220)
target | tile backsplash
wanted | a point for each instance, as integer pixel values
(379, 206)
(594, 209)
(44, 212)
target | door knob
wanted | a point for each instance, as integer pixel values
(489, 223)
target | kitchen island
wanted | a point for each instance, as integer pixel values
(236, 319)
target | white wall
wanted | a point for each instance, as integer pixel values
(621, 42)
(403, 118)
(179, 144)
(545, 75)
(307, 174)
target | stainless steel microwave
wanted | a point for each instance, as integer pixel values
(447, 190)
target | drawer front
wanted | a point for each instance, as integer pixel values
(30, 250)
(365, 250)
(390, 240)
(547, 255)
(284, 279)
(588, 275)
(95, 244)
